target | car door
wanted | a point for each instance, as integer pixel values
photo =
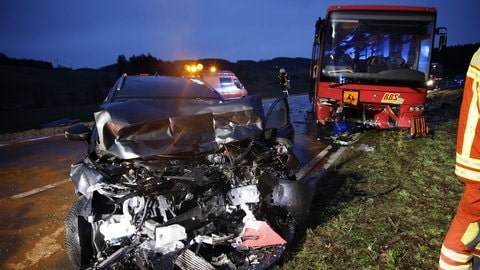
(278, 117)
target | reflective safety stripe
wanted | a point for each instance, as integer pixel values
(476, 84)
(458, 257)
(474, 73)
(471, 122)
(474, 70)
(468, 174)
(445, 266)
(468, 161)
(470, 235)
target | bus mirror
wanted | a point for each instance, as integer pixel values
(442, 42)
(319, 26)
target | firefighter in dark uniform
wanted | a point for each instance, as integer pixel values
(284, 81)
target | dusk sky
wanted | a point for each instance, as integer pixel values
(93, 33)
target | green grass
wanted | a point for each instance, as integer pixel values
(386, 209)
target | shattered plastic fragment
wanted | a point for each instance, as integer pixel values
(365, 148)
(168, 235)
(246, 194)
(260, 234)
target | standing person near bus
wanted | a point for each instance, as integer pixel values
(284, 81)
(461, 244)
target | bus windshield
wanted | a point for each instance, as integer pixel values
(378, 47)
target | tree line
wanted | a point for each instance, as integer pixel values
(455, 59)
(7, 61)
(148, 64)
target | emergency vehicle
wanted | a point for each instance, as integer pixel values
(370, 64)
(223, 81)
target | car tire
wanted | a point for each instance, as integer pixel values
(78, 235)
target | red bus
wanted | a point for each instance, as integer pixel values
(370, 64)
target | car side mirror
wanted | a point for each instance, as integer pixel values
(237, 84)
(78, 133)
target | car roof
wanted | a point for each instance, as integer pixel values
(162, 87)
(220, 73)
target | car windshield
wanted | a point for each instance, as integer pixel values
(161, 87)
(226, 82)
(367, 47)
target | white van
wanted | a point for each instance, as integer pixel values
(226, 83)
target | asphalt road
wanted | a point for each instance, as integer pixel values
(36, 193)
(35, 198)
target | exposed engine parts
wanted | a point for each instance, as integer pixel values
(231, 209)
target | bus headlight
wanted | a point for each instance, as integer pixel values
(417, 108)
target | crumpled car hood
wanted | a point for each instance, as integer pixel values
(141, 128)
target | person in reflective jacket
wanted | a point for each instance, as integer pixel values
(462, 241)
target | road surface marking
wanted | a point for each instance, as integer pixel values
(44, 248)
(40, 189)
(30, 139)
(313, 163)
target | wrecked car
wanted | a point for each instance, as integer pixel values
(176, 177)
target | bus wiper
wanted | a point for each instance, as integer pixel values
(337, 84)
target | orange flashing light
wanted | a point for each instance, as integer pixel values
(193, 68)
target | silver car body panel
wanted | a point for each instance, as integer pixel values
(160, 129)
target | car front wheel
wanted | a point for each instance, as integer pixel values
(78, 235)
